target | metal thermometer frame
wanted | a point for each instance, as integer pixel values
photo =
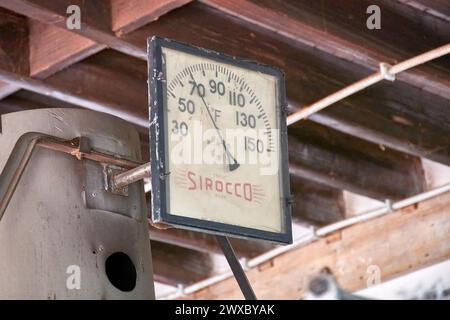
(159, 158)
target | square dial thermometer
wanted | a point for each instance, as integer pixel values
(218, 143)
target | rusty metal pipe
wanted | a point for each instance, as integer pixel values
(386, 72)
(128, 177)
(23, 150)
(12, 186)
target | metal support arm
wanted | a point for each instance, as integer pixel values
(23, 150)
(236, 267)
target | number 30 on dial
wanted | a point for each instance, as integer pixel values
(218, 143)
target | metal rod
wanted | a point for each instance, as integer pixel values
(12, 186)
(368, 81)
(382, 211)
(236, 267)
(17, 163)
(72, 147)
(128, 177)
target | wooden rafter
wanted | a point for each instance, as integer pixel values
(316, 203)
(278, 17)
(173, 265)
(341, 161)
(53, 47)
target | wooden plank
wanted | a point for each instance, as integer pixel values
(13, 42)
(434, 15)
(13, 47)
(439, 8)
(52, 49)
(338, 28)
(108, 76)
(173, 265)
(128, 15)
(95, 24)
(397, 243)
(341, 161)
(103, 22)
(108, 82)
(71, 97)
(315, 203)
(390, 130)
(45, 50)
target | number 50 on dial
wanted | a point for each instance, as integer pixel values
(218, 143)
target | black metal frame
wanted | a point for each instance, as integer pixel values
(158, 146)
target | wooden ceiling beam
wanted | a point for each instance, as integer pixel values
(95, 24)
(328, 28)
(53, 47)
(397, 243)
(13, 42)
(41, 87)
(13, 47)
(100, 21)
(341, 161)
(315, 203)
(173, 265)
(128, 15)
(433, 15)
(391, 129)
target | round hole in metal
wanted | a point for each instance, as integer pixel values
(121, 271)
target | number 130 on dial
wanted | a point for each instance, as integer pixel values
(218, 143)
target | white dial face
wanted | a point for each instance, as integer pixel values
(223, 143)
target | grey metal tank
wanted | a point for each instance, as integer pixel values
(63, 236)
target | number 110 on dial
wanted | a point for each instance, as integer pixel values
(218, 143)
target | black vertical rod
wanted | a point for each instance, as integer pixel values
(236, 267)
